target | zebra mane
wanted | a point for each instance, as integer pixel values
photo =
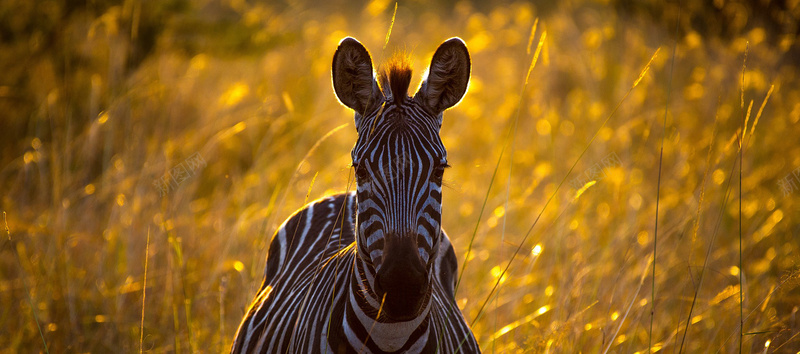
(396, 76)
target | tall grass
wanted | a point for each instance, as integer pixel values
(100, 102)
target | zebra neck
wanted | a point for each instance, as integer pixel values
(363, 330)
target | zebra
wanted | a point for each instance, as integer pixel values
(372, 271)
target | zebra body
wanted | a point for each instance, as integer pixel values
(324, 265)
(371, 271)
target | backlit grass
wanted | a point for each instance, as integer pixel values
(101, 102)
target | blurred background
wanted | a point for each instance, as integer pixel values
(175, 136)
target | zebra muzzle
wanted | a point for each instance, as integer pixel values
(403, 279)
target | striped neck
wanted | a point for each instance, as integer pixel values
(366, 325)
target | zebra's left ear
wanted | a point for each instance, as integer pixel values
(448, 77)
(353, 79)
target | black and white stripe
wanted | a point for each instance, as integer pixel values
(372, 271)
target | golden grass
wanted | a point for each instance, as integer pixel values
(97, 117)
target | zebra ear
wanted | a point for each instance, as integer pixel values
(353, 78)
(448, 77)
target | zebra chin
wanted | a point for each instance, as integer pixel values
(403, 279)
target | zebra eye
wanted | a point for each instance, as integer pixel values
(438, 174)
(361, 172)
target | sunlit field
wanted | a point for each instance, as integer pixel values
(151, 149)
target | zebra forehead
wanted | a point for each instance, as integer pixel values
(407, 120)
(402, 143)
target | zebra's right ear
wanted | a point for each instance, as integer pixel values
(448, 77)
(353, 78)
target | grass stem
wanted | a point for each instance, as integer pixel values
(658, 188)
(144, 290)
(9, 241)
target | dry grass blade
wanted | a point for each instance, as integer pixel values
(5, 221)
(369, 334)
(483, 208)
(744, 69)
(514, 136)
(144, 290)
(304, 160)
(741, 131)
(516, 324)
(794, 276)
(775, 350)
(509, 135)
(745, 118)
(583, 189)
(535, 59)
(391, 24)
(305, 201)
(705, 175)
(658, 186)
(25, 284)
(630, 305)
(760, 110)
(658, 198)
(533, 33)
(319, 266)
(350, 180)
(550, 199)
(708, 252)
(646, 68)
(741, 161)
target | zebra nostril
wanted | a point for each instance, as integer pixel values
(386, 283)
(378, 286)
(403, 282)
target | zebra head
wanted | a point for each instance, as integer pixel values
(399, 160)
